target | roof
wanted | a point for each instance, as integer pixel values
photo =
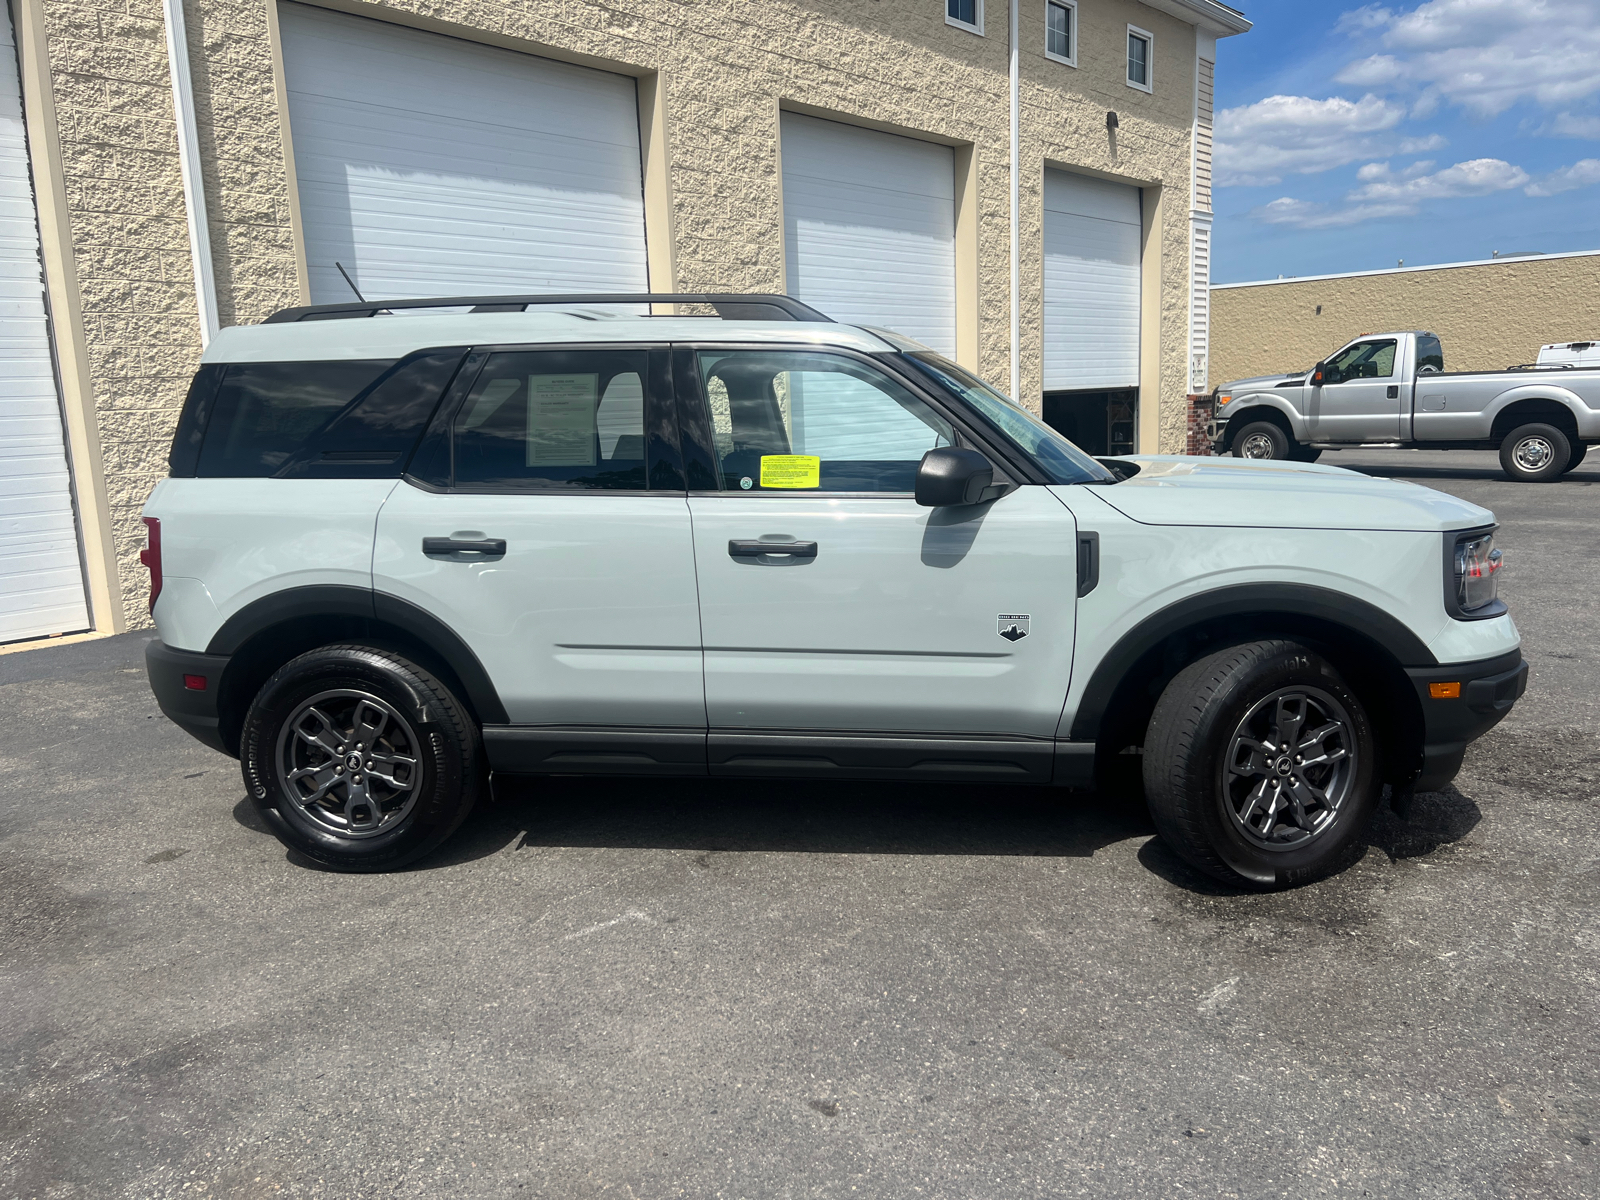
(1502, 261)
(1216, 19)
(396, 336)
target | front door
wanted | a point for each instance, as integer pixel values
(830, 602)
(549, 529)
(1359, 400)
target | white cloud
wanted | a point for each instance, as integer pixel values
(1387, 193)
(1572, 125)
(1421, 145)
(1478, 177)
(1261, 142)
(1484, 55)
(1579, 174)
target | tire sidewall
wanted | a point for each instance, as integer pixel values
(445, 791)
(1279, 868)
(1280, 440)
(1560, 444)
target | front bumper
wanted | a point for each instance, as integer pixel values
(192, 709)
(1489, 688)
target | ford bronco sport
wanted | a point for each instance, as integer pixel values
(400, 550)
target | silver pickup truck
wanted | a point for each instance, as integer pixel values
(1391, 389)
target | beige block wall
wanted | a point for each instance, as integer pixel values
(725, 70)
(1488, 315)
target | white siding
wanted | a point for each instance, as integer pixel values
(433, 166)
(869, 227)
(1092, 231)
(1199, 304)
(41, 574)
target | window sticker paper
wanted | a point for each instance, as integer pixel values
(561, 420)
(790, 471)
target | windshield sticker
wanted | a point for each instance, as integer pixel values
(790, 471)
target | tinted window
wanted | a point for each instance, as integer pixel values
(184, 457)
(796, 420)
(265, 413)
(1430, 353)
(373, 437)
(554, 419)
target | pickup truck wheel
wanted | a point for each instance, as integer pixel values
(1535, 453)
(1259, 766)
(1261, 439)
(359, 759)
(1578, 451)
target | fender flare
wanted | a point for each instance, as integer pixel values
(333, 600)
(1360, 618)
(1297, 422)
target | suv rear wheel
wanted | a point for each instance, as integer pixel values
(1535, 453)
(360, 759)
(1259, 765)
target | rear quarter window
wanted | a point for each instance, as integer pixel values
(350, 418)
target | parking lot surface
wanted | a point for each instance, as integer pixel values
(640, 989)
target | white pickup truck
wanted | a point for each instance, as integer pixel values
(1391, 389)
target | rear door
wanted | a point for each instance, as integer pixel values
(870, 616)
(545, 521)
(1360, 399)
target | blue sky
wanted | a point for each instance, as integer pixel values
(1352, 136)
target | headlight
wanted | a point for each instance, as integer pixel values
(1474, 576)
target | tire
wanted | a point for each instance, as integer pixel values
(1205, 812)
(1578, 451)
(344, 814)
(1535, 453)
(1261, 439)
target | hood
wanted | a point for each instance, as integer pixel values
(1234, 387)
(1240, 492)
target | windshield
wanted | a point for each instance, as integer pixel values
(1059, 459)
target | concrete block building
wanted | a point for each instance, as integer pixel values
(1024, 186)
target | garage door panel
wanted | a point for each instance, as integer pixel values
(41, 576)
(1092, 246)
(869, 227)
(429, 165)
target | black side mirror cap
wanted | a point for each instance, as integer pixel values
(948, 476)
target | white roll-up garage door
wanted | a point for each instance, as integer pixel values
(432, 166)
(1091, 283)
(41, 575)
(869, 227)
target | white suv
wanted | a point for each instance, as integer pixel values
(400, 550)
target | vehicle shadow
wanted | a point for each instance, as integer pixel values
(1490, 470)
(1436, 819)
(788, 816)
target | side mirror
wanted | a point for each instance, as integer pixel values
(948, 476)
(1317, 373)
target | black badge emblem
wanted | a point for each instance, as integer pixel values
(1013, 626)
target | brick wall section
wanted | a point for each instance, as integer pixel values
(1199, 415)
(726, 67)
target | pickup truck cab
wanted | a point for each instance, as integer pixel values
(1392, 389)
(552, 536)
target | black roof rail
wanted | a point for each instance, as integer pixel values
(730, 306)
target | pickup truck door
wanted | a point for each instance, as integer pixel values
(871, 623)
(1363, 394)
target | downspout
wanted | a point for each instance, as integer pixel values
(194, 195)
(1016, 242)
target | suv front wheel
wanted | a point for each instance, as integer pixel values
(1259, 765)
(359, 759)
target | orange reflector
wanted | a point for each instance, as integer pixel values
(1445, 691)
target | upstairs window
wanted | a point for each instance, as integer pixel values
(964, 14)
(1061, 31)
(1141, 45)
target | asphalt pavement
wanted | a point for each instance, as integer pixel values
(747, 989)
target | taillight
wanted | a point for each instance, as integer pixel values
(150, 556)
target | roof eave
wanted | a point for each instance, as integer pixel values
(1216, 19)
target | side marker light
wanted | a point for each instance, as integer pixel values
(1445, 691)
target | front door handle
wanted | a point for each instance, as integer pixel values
(738, 549)
(1394, 391)
(433, 546)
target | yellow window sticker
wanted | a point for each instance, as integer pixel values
(790, 471)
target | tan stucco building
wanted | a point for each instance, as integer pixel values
(179, 192)
(1489, 314)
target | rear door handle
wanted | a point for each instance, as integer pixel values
(454, 545)
(738, 549)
